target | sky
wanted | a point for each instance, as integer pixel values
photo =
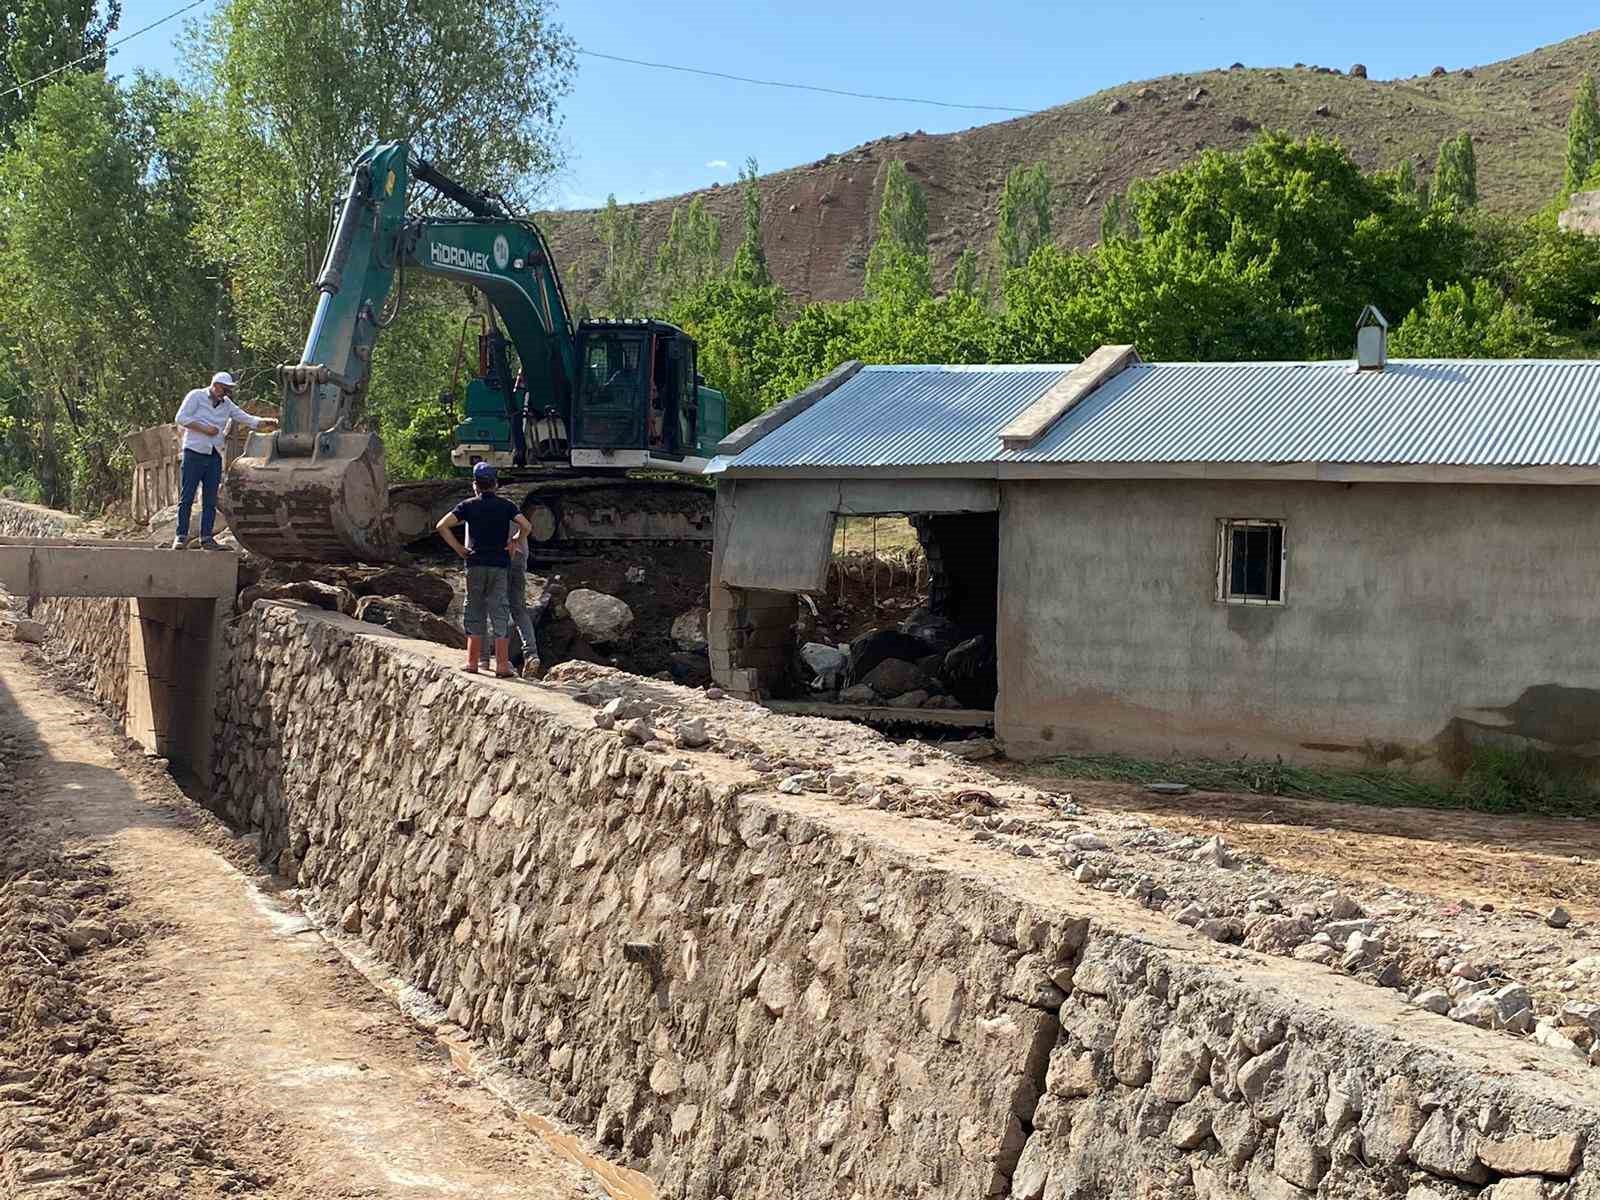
(640, 133)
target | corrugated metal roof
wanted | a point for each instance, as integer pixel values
(1468, 413)
(905, 416)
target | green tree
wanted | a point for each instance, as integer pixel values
(691, 255)
(1455, 174)
(295, 89)
(623, 278)
(897, 267)
(1024, 216)
(739, 333)
(1471, 320)
(1112, 220)
(750, 259)
(41, 36)
(99, 185)
(964, 278)
(1583, 135)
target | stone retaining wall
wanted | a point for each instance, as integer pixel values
(89, 635)
(755, 995)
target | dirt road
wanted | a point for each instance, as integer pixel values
(169, 1028)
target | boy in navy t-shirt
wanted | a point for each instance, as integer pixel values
(492, 525)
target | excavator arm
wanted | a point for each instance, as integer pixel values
(316, 488)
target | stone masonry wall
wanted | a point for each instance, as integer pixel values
(755, 995)
(89, 635)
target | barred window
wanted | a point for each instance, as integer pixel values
(1250, 561)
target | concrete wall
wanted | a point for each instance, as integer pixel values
(760, 995)
(1417, 616)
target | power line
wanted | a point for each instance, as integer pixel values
(800, 87)
(106, 53)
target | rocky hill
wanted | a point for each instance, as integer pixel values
(820, 217)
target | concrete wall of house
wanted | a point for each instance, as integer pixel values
(1419, 618)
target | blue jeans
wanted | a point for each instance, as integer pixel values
(203, 471)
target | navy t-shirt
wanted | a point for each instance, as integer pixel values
(488, 519)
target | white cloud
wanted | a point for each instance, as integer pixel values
(718, 163)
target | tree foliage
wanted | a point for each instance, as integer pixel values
(897, 266)
(1023, 219)
(1583, 135)
(691, 256)
(625, 275)
(750, 260)
(1455, 174)
(38, 37)
(1470, 320)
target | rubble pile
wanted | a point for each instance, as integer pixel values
(926, 661)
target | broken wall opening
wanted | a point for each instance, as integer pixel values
(775, 629)
(170, 669)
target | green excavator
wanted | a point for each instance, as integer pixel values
(583, 405)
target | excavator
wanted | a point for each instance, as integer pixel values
(585, 405)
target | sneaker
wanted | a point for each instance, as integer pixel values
(179, 543)
(211, 544)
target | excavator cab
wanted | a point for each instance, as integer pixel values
(639, 401)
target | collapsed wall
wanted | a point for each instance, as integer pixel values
(88, 634)
(761, 995)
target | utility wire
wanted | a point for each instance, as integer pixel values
(106, 53)
(800, 87)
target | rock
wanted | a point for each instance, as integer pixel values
(602, 620)
(329, 596)
(1116, 105)
(691, 734)
(970, 672)
(1548, 1036)
(894, 677)
(873, 647)
(1524, 1187)
(1509, 1002)
(1448, 1147)
(690, 668)
(30, 631)
(422, 588)
(1086, 841)
(350, 922)
(1556, 1155)
(826, 663)
(1322, 110)
(1558, 918)
(634, 574)
(1273, 933)
(1296, 1156)
(1219, 929)
(689, 630)
(1479, 1010)
(1436, 72)
(1432, 1000)
(973, 749)
(912, 699)
(1215, 854)
(636, 729)
(1341, 907)
(408, 619)
(1391, 1123)
(1579, 1016)
(1358, 71)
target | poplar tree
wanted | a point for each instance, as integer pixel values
(1455, 175)
(750, 260)
(1024, 217)
(898, 264)
(1583, 135)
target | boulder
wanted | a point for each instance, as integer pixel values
(858, 694)
(912, 699)
(402, 616)
(871, 648)
(893, 677)
(689, 630)
(421, 588)
(327, 596)
(1358, 71)
(602, 620)
(30, 631)
(970, 672)
(827, 663)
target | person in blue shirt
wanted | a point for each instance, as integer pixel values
(203, 416)
(492, 525)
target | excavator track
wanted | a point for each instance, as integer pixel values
(571, 511)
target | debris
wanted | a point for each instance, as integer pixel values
(827, 663)
(973, 749)
(637, 729)
(858, 693)
(1432, 1000)
(1215, 853)
(1558, 918)
(30, 631)
(602, 620)
(410, 620)
(1086, 841)
(689, 630)
(691, 734)
(894, 677)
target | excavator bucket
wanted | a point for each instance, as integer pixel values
(330, 506)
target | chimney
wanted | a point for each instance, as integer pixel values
(1372, 340)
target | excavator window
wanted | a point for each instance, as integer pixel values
(611, 402)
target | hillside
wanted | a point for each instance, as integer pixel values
(819, 217)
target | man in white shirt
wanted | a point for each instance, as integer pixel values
(203, 416)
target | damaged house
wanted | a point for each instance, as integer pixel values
(1338, 562)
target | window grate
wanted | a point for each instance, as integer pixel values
(1250, 561)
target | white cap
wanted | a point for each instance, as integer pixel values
(223, 378)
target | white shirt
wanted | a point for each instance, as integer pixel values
(197, 406)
